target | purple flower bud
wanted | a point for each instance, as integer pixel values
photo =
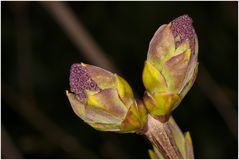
(81, 81)
(171, 65)
(104, 100)
(182, 29)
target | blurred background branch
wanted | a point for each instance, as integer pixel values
(9, 149)
(77, 33)
(27, 109)
(23, 101)
(218, 98)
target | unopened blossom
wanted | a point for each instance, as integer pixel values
(104, 100)
(171, 66)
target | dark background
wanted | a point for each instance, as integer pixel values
(37, 119)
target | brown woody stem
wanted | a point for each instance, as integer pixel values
(160, 135)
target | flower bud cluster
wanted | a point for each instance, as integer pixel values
(105, 100)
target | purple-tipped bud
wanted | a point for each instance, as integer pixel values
(171, 65)
(104, 100)
(80, 81)
(182, 29)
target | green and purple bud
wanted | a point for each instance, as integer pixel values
(171, 66)
(104, 100)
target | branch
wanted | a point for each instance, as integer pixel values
(161, 136)
(9, 149)
(23, 102)
(40, 121)
(216, 95)
(77, 33)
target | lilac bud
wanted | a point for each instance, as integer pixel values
(104, 100)
(182, 29)
(171, 65)
(80, 81)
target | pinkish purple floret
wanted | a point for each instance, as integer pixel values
(182, 26)
(81, 81)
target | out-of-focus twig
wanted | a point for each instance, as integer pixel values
(72, 26)
(216, 95)
(23, 102)
(40, 121)
(23, 47)
(9, 149)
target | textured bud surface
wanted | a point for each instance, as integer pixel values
(182, 29)
(80, 81)
(104, 100)
(171, 65)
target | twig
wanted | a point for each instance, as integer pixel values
(78, 34)
(9, 149)
(37, 119)
(24, 102)
(161, 136)
(216, 95)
